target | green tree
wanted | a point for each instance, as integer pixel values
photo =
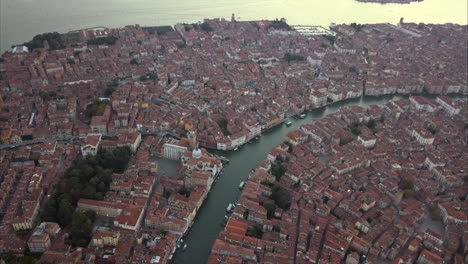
(371, 124)
(330, 38)
(206, 27)
(281, 197)
(50, 211)
(279, 24)
(87, 178)
(278, 170)
(355, 129)
(271, 208)
(222, 123)
(81, 230)
(65, 212)
(245, 214)
(407, 184)
(255, 231)
(89, 192)
(109, 40)
(293, 57)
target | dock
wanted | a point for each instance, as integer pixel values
(222, 158)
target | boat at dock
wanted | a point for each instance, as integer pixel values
(302, 116)
(241, 185)
(230, 208)
(288, 123)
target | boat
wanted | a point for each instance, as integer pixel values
(224, 221)
(289, 123)
(185, 247)
(236, 148)
(302, 116)
(230, 207)
(241, 185)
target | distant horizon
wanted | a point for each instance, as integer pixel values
(21, 20)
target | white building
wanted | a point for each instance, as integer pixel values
(92, 145)
(221, 146)
(239, 140)
(423, 136)
(421, 103)
(318, 99)
(367, 140)
(173, 150)
(20, 49)
(314, 61)
(448, 105)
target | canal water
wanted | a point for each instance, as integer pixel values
(226, 190)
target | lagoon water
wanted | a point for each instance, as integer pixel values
(20, 20)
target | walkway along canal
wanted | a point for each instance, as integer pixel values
(208, 220)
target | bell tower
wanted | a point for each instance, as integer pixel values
(192, 137)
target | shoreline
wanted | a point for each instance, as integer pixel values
(9, 46)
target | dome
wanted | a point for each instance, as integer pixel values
(196, 153)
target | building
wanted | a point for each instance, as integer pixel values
(448, 105)
(318, 99)
(126, 216)
(421, 103)
(200, 168)
(39, 242)
(192, 137)
(174, 149)
(92, 145)
(98, 125)
(20, 49)
(131, 140)
(314, 60)
(367, 138)
(41, 237)
(427, 257)
(422, 135)
(105, 238)
(455, 211)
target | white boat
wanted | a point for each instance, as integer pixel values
(302, 116)
(185, 246)
(230, 208)
(289, 123)
(241, 185)
(236, 148)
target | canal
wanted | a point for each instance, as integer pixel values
(208, 221)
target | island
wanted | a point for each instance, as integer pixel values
(107, 137)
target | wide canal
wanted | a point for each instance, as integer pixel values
(208, 221)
